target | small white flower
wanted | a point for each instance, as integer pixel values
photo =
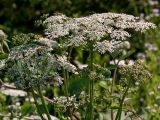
(120, 34)
(62, 61)
(80, 65)
(122, 62)
(47, 42)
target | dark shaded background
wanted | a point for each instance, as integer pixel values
(20, 15)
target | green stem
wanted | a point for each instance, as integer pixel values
(118, 116)
(65, 76)
(65, 83)
(43, 102)
(70, 53)
(91, 87)
(113, 82)
(36, 103)
(86, 114)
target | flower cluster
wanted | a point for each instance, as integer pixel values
(62, 61)
(34, 63)
(98, 28)
(66, 102)
(111, 46)
(26, 51)
(137, 72)
(40, 68)
(48, 43)
(22, 38)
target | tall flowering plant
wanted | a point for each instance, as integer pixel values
(105, 33)
(43, 61)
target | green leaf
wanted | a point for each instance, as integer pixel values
(3, 56)
(26, 109)
(103, 84)
(104, 71)
(41, 108)
(114, 106)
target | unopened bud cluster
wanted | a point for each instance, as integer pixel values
(136, 72)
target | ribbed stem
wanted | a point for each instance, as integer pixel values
(65, 83)
(118, 116)
(43, 102)
(113, 83)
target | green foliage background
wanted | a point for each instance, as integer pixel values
(19, 15)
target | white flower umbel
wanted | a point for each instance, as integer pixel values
(104, 46)
(62, 61)
(120, 34)
(111, 46)
(36, 63)
(65, 102)
(98, 28)
(24, 51)
(40, 68)
(49, 43)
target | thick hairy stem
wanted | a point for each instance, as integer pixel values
(118, 116)
(36, 103)
(43, 102)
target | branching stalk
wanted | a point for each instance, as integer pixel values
(112, 87)
(36, 103)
